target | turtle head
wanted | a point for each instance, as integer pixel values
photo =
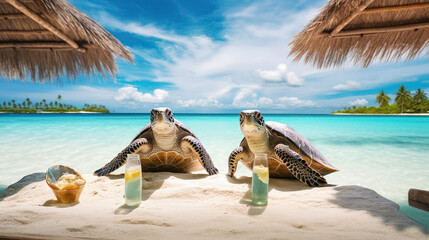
(252, 123)
(162, 121)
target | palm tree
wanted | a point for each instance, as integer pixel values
(9, 104)
(419, 96)
(51, 105)
(382, 99)
(59, 97)
(28, 102)
(403, 97)
(19, 105)
(36, 105)
(4, 104)
(56, 104)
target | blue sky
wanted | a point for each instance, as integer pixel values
(218, 56)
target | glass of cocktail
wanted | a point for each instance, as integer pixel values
(133, 180)
(260, 180)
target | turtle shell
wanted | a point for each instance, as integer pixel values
(300, 145)
(169, 162)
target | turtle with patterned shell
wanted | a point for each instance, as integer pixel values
(289, 154)
(164, 145)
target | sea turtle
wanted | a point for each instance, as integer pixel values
(164, 144)
(289, 154)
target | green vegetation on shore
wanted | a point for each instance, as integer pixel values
(57, 106)
(405, 101)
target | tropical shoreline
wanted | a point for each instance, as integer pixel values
(405, 103)
(384, 114)
(52, 112)
(44, 106)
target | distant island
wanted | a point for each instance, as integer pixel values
(405, 102)
(57, 106)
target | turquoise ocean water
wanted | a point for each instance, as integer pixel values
(388, 154)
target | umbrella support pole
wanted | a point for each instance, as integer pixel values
(396, 8)
(13, 16)
(40, 45)
(31, 14)
(342, 24)
(364, 31)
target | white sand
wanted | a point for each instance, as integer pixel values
(185, 206)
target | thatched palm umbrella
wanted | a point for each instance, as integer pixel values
(363, 31)
(50, 39)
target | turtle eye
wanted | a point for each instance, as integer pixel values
(170, 115)
(241, 118)
(152, 115)
(259, 118)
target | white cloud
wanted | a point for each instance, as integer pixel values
(280, 103)
(245, 13)
(198, 102)
(294, 80)
(295, 102)
(264, 102)
(200, 66)
(277, 75)
(131, 94)
(146, 30)
(350, 85)
(280, 74)
(359, 102)
(254, 37)
(242, 94)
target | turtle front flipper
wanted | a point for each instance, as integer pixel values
(194, 145)
(140, 144)
(298, 166)
(235, 155)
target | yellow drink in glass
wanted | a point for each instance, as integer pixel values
(133, 180)
(260, 180)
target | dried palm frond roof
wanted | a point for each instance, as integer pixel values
(362, 31)
(45, 40)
